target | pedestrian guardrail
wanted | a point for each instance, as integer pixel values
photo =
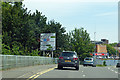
(13, 61)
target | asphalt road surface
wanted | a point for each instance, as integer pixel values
(51, 71)
(84, 72)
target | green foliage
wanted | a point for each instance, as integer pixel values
(17, 48)
(80, 41)
(113, 44)
(99, 65)
(0, 44)
(35, 52)
(6, 49)
(84, 55)
(104, 63)
(111, 50)
(21, 30)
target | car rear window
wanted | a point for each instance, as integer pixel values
(68, 54)
(88, 59)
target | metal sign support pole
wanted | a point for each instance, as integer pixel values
(52, 54)
(43, 53)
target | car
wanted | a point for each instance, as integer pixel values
(89, 61)
(118, 65)
(68, 59)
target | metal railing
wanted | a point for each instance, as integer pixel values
(13, 61)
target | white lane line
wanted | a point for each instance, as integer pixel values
(83, 75)
(116, 72)
(82, 71)
(112, 70)
(23, 75)
(108, 67)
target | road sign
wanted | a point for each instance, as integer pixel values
(47, 41)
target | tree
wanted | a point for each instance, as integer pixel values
(113, 44)
(19, 25)
(80, 41)
(84, 55)
(110, 50)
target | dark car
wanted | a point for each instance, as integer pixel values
(68, 59)
(118, 65)
(89, 61)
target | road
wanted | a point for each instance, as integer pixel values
(84, 72)
(51, 71)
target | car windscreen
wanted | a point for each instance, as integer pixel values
(70, 54)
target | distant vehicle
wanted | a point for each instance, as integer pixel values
(68, 59)
(118, 65)
(89, 61)
(99, 57)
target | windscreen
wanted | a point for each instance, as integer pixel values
(70, 54)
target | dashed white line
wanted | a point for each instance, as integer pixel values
(116, 72)
(83, 75)
(108, 68)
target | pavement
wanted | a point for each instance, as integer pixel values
(51, 71)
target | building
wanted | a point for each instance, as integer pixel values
(101, 51)
(101, 48)
(103, 41)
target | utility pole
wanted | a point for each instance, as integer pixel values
(95, 43)
(95, 36)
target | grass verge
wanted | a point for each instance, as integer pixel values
(100, 65)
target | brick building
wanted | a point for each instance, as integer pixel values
(101, 51)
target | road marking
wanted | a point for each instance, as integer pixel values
(22, 75)
(112, 70)
(83, 75)
(40, 73)
(82, 71)
(116, 72)
(108, 67)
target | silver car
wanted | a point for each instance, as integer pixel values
(68, 59)
(89, 61)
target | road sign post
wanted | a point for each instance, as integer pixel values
(52, 54)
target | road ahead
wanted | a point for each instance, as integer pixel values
(84, 72)
(51, 71)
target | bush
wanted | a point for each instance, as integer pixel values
(18, 49)
(6, 49)
(104, 63)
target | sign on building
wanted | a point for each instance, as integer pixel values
(48, 41)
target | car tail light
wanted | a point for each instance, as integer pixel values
(75, 58)
(60, 57)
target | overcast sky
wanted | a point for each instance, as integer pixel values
(94, 16)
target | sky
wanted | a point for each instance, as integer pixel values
(100, 16)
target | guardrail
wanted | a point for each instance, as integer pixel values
(13, 61)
